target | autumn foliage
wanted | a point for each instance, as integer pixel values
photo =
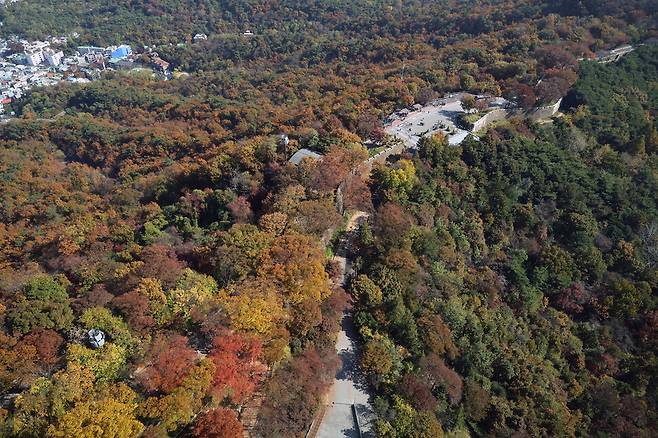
(166, 363)
(238, 366)
(217, 423)
(506, 287)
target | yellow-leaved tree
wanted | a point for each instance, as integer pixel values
(254, 306)
(295, 265)
(74, 404)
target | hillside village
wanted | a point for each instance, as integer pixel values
(27, 64)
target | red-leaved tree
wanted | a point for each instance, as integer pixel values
(435, 371)
(238, 367)
(217, 423)
(167, 362)
(241, 210)
(47, 344)
(135, 309)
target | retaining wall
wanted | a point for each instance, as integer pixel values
(381, 157)
(541, 113)
(489, 118)
(545, 112)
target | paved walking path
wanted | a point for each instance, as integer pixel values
(349, 396)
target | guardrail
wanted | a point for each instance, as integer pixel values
(317, 421)
(356, 420)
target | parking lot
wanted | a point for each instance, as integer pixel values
(438, 117)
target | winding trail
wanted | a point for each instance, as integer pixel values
(348, 411)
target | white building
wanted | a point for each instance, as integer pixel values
(34, 58)
(35, 46)
(200, 37)
(78, 80)
(53, 58)
(58, 40)
(84, 50)
(96, 338)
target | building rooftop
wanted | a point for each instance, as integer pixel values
(298, 156)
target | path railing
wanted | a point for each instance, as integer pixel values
(356, 420)
(317, 421)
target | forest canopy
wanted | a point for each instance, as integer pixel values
(512, 289)
(504, 287)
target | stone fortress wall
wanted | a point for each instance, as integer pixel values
(536, 114)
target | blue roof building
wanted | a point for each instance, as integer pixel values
(121, 52)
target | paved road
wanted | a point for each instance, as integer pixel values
(349, 391)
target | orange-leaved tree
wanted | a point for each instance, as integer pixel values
(238, 367)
